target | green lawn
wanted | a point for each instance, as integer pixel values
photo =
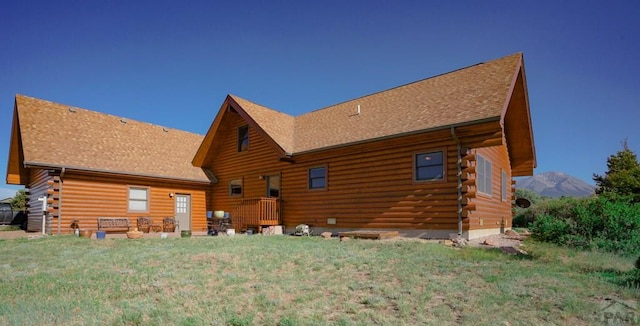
(282, 280)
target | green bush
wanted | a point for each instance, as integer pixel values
(603, 223)
(550, 228)
(558, 207)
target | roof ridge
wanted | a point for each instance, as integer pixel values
(413, 82)
(258, 104)
(106, 114)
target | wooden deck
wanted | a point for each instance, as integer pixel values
(376, 235)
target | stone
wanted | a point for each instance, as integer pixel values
(511, 233)
(491, 242)
(525, 233)
(345, 238)
(326, 235)
(460, 242)
(447, 243)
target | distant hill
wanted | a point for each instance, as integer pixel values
(556, 184)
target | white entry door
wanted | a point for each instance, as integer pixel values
(183, 211)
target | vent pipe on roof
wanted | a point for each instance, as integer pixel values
(123, 120)
(358, 110)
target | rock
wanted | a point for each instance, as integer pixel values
(345, 238)
(511, 233)
(326, 235)
(525, 233)
(447, 243)
(491, 242)
(460, 242)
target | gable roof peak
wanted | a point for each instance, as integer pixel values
(471, 94)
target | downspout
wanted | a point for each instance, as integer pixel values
(459, 166)
(60, 199)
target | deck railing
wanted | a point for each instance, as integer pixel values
(257, 212)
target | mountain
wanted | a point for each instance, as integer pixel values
(556, 184)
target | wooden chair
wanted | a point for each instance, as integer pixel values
(144, 224)
(169, 224)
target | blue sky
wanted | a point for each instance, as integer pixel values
(171, 63)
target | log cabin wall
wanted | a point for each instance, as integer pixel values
(372, 186)
(86, 197)
(369, 185)
(39, 185)
(494, 210)
(247, 166)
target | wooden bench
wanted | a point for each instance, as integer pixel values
(116, 224)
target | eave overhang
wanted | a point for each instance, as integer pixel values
(518, 130)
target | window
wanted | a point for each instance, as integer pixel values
(429, 166)
(182, 203)
(503, 180)
(243, 138)
(138, 199)
(318, 178)
(235, 187)
(483, 172)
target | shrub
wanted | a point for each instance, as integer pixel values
(550, 228)
(603, 223)
(558, 207)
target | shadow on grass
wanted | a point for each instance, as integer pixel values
(629, 279)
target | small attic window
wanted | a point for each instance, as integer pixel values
(243, 138)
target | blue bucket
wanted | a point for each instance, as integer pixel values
(101, 234)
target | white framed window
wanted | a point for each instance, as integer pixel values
(181, 204)
(235, 187)
(138, 199)
(483, 173)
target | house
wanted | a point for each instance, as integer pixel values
(89, 165)
(427, 159)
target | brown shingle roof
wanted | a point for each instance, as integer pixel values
(279, 126)
(470, 94)
(63, 136)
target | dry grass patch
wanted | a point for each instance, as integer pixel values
(255, 280)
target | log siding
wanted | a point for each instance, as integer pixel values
(368, 185)
(88, 196)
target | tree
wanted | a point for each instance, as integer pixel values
(622, 176)
(530, 195)
(19, 201)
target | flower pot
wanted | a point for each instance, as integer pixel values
(86, 233)
(185, 233)
(135, 234)
(101, 235)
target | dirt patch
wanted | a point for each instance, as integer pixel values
(18, 234)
